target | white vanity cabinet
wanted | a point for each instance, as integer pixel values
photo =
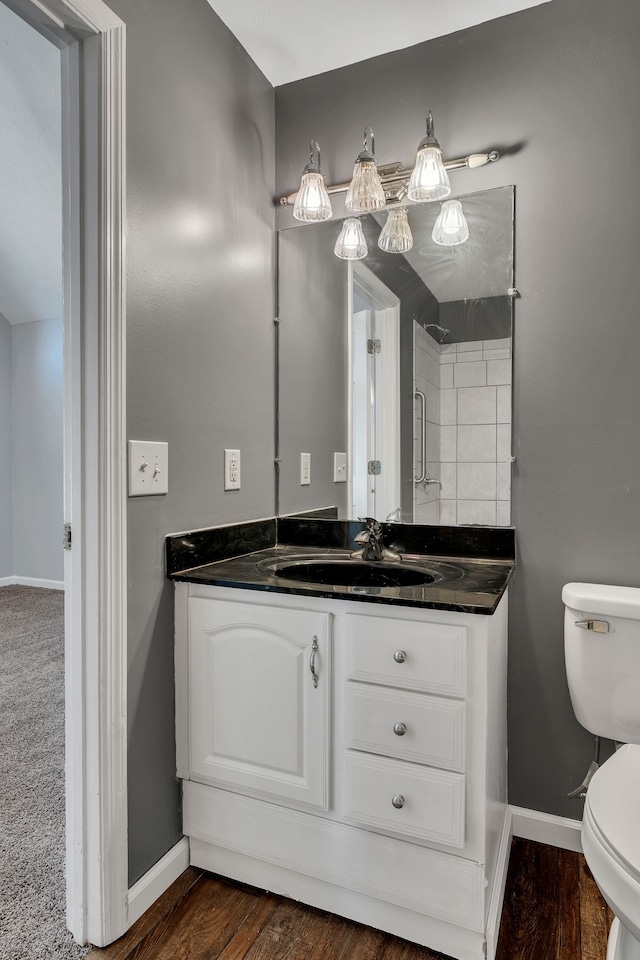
(351, 755)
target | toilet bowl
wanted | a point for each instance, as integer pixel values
(602, 657)
(611, 845)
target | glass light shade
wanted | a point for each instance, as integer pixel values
(365, 193)
(451, 227)
(396, 236)
(351, 244)
(429, 179)
(312, 202)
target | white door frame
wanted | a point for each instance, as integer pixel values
(359, 422)
(388, 422)
(91, 39)
(388, 411)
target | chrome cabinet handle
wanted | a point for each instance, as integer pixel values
(398, 801)
(399, 656)
(400, 729)
(312, 662)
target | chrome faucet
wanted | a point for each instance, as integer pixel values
(373, 548)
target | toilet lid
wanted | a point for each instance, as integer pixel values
(613, 799)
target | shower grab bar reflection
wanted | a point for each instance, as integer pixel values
(423, 475)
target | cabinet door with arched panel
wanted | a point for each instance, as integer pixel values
(259, 681)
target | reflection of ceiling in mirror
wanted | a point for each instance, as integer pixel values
(481, 267)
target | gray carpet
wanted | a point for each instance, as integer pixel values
(32, 893)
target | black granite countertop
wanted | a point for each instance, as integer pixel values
(470, 583)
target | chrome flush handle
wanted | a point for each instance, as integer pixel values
(312, 662)
(598, 626)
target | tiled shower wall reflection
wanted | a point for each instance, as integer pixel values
(468, 431)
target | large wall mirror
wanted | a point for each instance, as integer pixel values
(402, 364)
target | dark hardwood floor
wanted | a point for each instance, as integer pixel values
(552, 911)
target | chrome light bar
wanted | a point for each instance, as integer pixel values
(395, 178)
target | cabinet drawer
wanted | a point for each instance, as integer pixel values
(408, 654)
(434, 727)
(430, 802)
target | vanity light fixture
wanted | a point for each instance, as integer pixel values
(429, 180)
(451, 227)
(394, 177)
(396, 236)
(365, 193)
(351, 244)
(312, 201)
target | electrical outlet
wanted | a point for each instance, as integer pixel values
(232, 469)
(148, 468)
(339, 468)
(305, 469)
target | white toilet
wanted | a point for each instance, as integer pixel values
(602, 655)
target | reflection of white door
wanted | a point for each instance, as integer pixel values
(375, 398)
(362, 416)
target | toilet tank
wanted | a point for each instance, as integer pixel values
(603, 658)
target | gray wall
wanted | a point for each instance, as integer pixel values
(200, 301)
(37, 459)
(6, 556)
(483, 318)
(30, 173)
(542, 82)
(313, 366)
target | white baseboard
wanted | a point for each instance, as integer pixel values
(32, 582)
(153, 884)
(546, 828)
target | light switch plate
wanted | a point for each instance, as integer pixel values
(339, 468)
(148, 468)
(305, 469)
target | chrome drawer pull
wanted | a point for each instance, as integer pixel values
(398, 801)
(399, 656)
(400, 729)
(312, 662)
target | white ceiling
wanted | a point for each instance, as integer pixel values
(30, 176)
(291, 39)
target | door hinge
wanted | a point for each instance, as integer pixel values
(374, 468)
(373, 346)
(66, 538)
